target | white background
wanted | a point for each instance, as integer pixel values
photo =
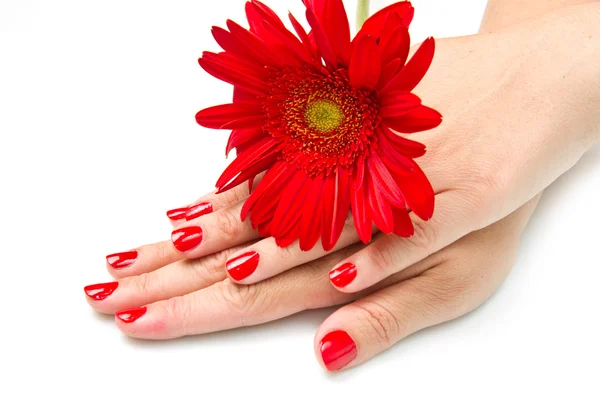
(98, 139)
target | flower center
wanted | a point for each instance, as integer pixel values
(324, 116)
(320, 120)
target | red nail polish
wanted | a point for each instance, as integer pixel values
(337, 350)
(177, 213)
(129, 316)
(343, 275)
(185, 239)
(198, 210)
(100, 291)
(122, 260)
(243, 265)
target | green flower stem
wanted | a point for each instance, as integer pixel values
(362, 13)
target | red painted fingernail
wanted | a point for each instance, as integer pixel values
(343, 275)
(198, 210)
(185, 239)
(122, 260)
(337, 350)
(177, 213)
(243, 265)
(100, 291)
(129, 316)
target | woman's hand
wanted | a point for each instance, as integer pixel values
(518, 113)
(195, 296)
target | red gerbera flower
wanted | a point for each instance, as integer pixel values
(318, 112)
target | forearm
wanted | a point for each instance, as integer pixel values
(503, 13)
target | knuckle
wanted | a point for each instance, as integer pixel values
(425, 236)
(243, 300)
(209, 269)
(180, 310)
(446, 296)
(145, 283)
(228, 224)
(380, 322)
(382, 258)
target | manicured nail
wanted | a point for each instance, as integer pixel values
(177, 213)
(198, 210)
(185, 239)
(122, 260)
(100, 291)
(342, 275)
(337, 350)
(129, 316)
(243, 265)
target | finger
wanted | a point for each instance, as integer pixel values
(390, 253)
(226, 305)
(176, 279)
(360, 330)
(211, 202)
(265, 258)
(213, 232)
(142, 259)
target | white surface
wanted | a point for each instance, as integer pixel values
(97, 104)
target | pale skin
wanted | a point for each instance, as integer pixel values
(520, 107)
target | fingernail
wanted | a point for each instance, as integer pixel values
(198, 210)
(100, 291)
(122, 260)
(129, 316)
(185, 239)
(243, 265)
(342, 275)
(177, 213)
(337, 350)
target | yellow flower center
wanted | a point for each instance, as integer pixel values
(324, 116)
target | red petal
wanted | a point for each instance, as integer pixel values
(301, 33)
(321, 39)
(384, 182)
(380, 210)
(374, 25)
(226, 68)
(412, 73)
(365, 63)
(417, 192)
(342, 205)
(290, 206)
(251, 171)
(388, 71)
(419, 119)
(329, 202)
(311, 216)
(397, 45)
(217, 116)
(335, 24)
(273, 175)
(398, 104)
(400, 144)
(360, 213)
(403, 225)
(243, 136)
(246, 159)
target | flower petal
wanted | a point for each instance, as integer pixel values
(227, 68)
(365, 63)
(380, 210)
(398, 104)
(396, 45)
(417, 192)
(400, 144)
(403, 225)
(321, 39)
(384, 182)
(374, 24)
(409, 77)
(289, 210)
(336, 198)
(418, 119)
(311, 216)
(243, 136)
(335, 25)
(258, 152)
(217, 116)
(360, 213)
(278, 170)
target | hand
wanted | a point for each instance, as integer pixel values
(163, 301)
